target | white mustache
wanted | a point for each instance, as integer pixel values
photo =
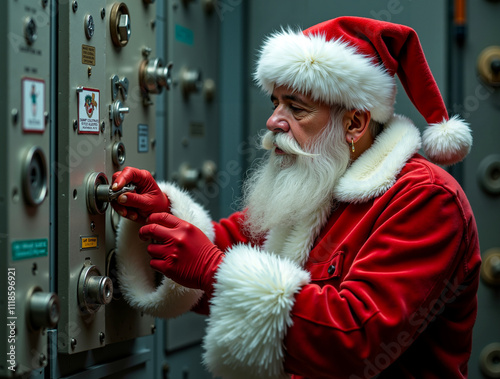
(285, 143)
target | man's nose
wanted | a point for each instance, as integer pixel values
(277, 122)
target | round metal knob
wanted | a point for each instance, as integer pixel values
(94, 290)
(209, 89)
(191, 81)
(153, 75)
(488, 174)
(43, 309)
(96, 203)
(188, 177)
(117, 112)
(490, 269)
(488, 65)
(34, 176)
(118, 153)
(489, 361)
(99, 290)
(495, 66)
(209, 171)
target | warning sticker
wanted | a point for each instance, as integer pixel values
(88, 110)
(33, 105)
(88, 55)
(30, 249)
(89, 243)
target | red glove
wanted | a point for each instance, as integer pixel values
(148, 197)
(181, 251)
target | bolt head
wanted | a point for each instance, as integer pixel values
(89, 26)
(124, 27)
(42, 360)
(15, 115)
(30, 31)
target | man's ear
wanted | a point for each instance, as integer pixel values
(356, 124)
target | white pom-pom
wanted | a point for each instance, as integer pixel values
(447, 143)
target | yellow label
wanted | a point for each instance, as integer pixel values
(89, 242)
(88, 55)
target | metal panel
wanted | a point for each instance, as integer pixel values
(107, 50)
(26, 305)
(192, 110)
(479, 104)
(192, 143)
(133, 142)
(82, 151)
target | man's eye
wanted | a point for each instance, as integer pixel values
(296, 109)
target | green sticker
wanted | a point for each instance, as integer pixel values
(184, 35)
(30, 249)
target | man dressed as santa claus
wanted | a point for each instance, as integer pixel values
(353, 256)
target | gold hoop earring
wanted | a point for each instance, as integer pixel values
(352, 145)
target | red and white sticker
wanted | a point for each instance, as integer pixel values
(88, 111)
(33, 94)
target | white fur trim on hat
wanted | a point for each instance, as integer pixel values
(137, 278)
(251, 313)
(329, 71)
(447, 143)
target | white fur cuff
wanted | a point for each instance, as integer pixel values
(250, 313)
(137, 278)
(184, 207)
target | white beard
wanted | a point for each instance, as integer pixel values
(285, 189)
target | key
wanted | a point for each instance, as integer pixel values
(113, 195)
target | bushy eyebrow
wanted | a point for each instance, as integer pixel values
(290, 97)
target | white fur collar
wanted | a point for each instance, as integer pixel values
(372, 174)
(375, 171)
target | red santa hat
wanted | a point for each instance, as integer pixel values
(352, 61)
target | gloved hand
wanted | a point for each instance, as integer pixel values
(181, 251)
(148, 197)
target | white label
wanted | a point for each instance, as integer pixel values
(88, 111)
(33, 105)
(142, 138)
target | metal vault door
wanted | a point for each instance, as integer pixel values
(27, 307)
(192, 142)
(107, 81)
(480, 105)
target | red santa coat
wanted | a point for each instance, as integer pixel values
(393, 273)
(383, 282)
